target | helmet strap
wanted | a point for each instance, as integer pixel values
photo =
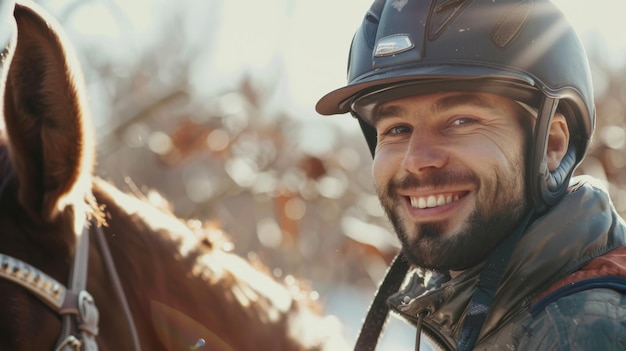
(546, 188)
(369, 132)
(379, 309)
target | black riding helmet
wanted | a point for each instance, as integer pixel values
(521, 49)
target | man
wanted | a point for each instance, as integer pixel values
(476, 114)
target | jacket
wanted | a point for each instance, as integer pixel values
(562, 290)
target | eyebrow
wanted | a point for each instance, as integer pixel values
(440, 105)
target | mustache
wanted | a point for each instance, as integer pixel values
(431, 181)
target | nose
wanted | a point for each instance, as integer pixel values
(425, 153)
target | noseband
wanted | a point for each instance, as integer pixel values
(76, 306)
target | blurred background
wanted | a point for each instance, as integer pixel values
(211, 104)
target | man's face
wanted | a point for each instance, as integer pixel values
(449, 171)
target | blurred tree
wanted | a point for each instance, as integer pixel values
(228, 156)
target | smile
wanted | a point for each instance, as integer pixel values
(433, 200)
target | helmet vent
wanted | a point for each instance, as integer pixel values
(371, 21)
(508, 28)
(443, 13)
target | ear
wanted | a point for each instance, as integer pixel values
(558, 141)
(46, 120)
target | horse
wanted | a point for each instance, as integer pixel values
(139, 278)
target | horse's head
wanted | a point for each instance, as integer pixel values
(46, 160)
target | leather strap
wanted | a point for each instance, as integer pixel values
(117, 287)
(379, 310)
(78, 307)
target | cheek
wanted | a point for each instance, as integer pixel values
(500, 148)
(377, 172)
(384, 167)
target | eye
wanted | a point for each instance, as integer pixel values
(397, 130)
(462, 121)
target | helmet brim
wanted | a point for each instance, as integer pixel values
(424, 79)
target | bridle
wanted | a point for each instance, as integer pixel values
(76, 306)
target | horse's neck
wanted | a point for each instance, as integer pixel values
(141, 235)
(183, 286)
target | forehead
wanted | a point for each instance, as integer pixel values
(443, 102)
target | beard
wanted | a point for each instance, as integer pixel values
(499, 205)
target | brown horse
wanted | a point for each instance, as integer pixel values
(179, 288)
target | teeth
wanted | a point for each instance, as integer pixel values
(432, 200)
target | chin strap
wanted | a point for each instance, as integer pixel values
(488, 284)
(379, 310)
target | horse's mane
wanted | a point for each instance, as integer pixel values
(203, 253)
(203, 244)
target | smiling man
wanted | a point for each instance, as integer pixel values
(477, 114)
(446, 171)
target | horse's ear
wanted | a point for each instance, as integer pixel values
(46, 116)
